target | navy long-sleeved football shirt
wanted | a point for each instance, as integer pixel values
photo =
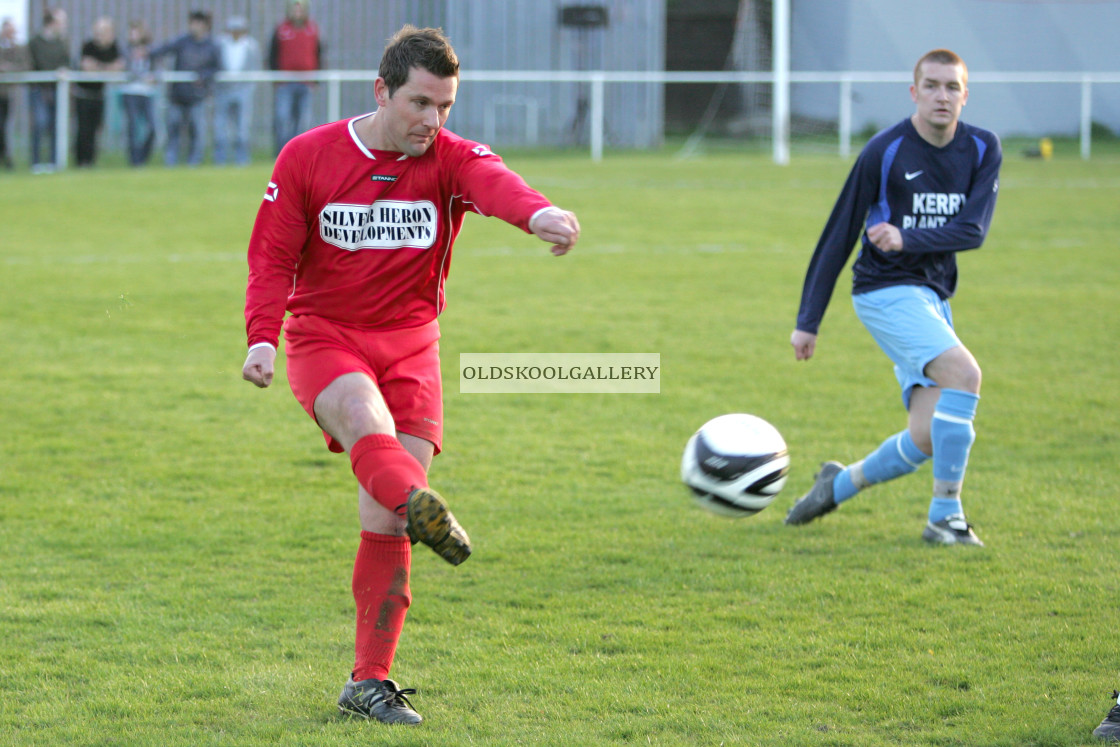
(942, 200)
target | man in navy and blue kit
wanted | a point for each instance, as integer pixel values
(925, 189)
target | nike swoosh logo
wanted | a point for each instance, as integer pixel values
(916, 174)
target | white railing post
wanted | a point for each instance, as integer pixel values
(61, 122)
(597, 115)
(780, 98)
(1086, 116)
(334, 97)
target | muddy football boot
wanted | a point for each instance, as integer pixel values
(431, 523)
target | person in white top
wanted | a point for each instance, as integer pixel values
(233, 100)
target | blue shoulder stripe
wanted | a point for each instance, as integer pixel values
(981, 149)
(881, 211)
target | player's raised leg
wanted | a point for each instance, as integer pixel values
(352, 410)
(898, 455)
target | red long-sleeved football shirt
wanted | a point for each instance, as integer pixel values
(364, 237)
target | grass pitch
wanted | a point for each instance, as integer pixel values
(176, 546)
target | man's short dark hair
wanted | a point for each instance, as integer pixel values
(199, 15)
(429, 49)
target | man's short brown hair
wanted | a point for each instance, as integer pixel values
(944, 57)
(429, 49)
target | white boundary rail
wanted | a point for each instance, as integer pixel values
(598, 81)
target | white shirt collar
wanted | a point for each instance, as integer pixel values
(358, 141)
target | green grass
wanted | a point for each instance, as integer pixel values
(176, 546)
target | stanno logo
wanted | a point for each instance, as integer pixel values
(383, 178)
(914, 175)
(272, 192)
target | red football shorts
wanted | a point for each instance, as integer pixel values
(403, 363)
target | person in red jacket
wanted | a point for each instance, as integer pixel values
(353, 240)
(295, 47)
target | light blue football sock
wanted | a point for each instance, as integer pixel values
(895, 457)
(942, 508)
(952, 435)
(842, 486)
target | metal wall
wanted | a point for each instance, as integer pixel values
(529, 35)
(992, 37)
(487, 34)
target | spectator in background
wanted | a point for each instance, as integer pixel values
(233, 100)
(48, 53)
(99, 55)
(194, 52)
(138, 94)
(13, 59)
(295, 48)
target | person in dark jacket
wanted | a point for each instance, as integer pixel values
(193, 52)
(48, 53)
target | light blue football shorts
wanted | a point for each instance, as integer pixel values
(912, 325)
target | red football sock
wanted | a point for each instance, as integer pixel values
(382, 597)
(386, 470)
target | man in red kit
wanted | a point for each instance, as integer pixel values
(295, 47)
(353, 240)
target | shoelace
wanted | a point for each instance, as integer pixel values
(393, 697)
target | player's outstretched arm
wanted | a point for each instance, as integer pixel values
(558, 227)
(804, 343)
(260, 365)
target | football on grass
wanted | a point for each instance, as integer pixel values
(735, 464)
